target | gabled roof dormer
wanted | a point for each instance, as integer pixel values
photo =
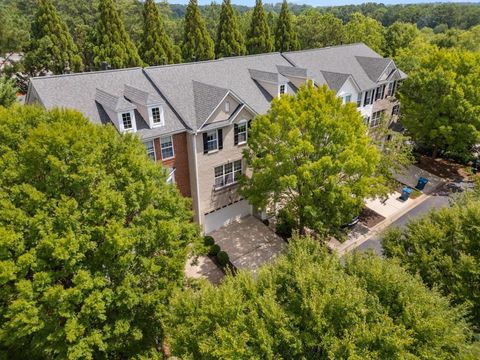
(375, 67)
(296, 75)
(120, 111)
(150, 106)
(273, 83)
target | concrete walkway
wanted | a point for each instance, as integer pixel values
(202, 267)
(411, 175)
(249, 243)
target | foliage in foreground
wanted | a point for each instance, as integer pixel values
(8, 91)
(444, 249)
(312, 155)
(308, 305)
(92, 239)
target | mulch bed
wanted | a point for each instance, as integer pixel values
(370, 218)
(444, 168)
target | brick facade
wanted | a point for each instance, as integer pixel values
(179, 162)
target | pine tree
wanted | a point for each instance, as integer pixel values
(197, 42)
(156, 47)
(113, 46)
(259, 39)
(286, 38)
(230, 41)
(52, 47)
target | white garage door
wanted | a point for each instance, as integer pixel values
(226, 215)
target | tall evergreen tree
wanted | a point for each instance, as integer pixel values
(259, 39)
(52, 47)
(286, 38)
(197, 42)
(230, 41)
(156, 47)
(112, 43)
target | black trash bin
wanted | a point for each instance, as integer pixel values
(421, 183)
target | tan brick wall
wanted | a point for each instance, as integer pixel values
(179, 162)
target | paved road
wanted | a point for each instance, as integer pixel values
(435, 201)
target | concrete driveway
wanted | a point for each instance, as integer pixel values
(249, 243)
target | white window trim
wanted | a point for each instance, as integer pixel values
(344, 98)
(153, 149)
(280, 89)
(374, 120)
(171, 176)
(173, 147)
(150, 115)
(227, 106)
(223, 176)
(216, 141)
(243, 122)
(132, 118)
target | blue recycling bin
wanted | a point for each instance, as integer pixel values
(421, 183)
(406, 192)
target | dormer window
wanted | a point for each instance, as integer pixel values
(227, 106)
(127, 121)
(347, 99)
(156, 116)
(282, 89)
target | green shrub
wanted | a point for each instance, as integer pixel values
(285, 224)
(214, 250)
(208, 240)
(222, 258)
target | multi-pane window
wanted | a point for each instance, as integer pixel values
(212, 140)
(347, 99)
(368, 97)
(156, 116)
(282, 89)
(227, 106)
(240, 133)
(166, 145)
(379, 94)
(359, 100)
(150, 149)
(376, 118)
(127, 121)
(391, 88)
(228, 173)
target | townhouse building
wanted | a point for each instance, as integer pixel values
(194, 118)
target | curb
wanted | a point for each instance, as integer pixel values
(347, 247)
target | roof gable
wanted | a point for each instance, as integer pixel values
(142, 97)
(373, 67)
(113, 102)
(335, 80)
(206, 100)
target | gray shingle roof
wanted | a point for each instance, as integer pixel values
(335, 80)
(113, 102)
(176, 81)
(335, 59)
(374, 67)
(78, 91)
(142, 97)
(206, 99)
(292, 71)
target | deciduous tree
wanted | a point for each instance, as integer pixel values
(399, 35)
(309, 306)
(286, 38)
(8, 91)
(317, 30)
(197, 43)
(112, 44)
(367, 30)
(52, 47)
(440, 102)
(230, 40)
(92, 239)
(259, 37)
(443, 248)
(311, 155)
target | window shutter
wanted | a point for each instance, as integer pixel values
(220, 139)
(249, 124)
(205, 144)
(235, 134)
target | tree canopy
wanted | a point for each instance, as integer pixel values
(367, 30)
(308, 305)
(440, 102)
(156, 46)
(92, 239)
(259, 37)
(443, 248)
(52, 47)
(312, 155)
(230, 40)
(112, 44)
(8, 91)
(286, 38)
(319, 30)
(197, 43)
(399, 35)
